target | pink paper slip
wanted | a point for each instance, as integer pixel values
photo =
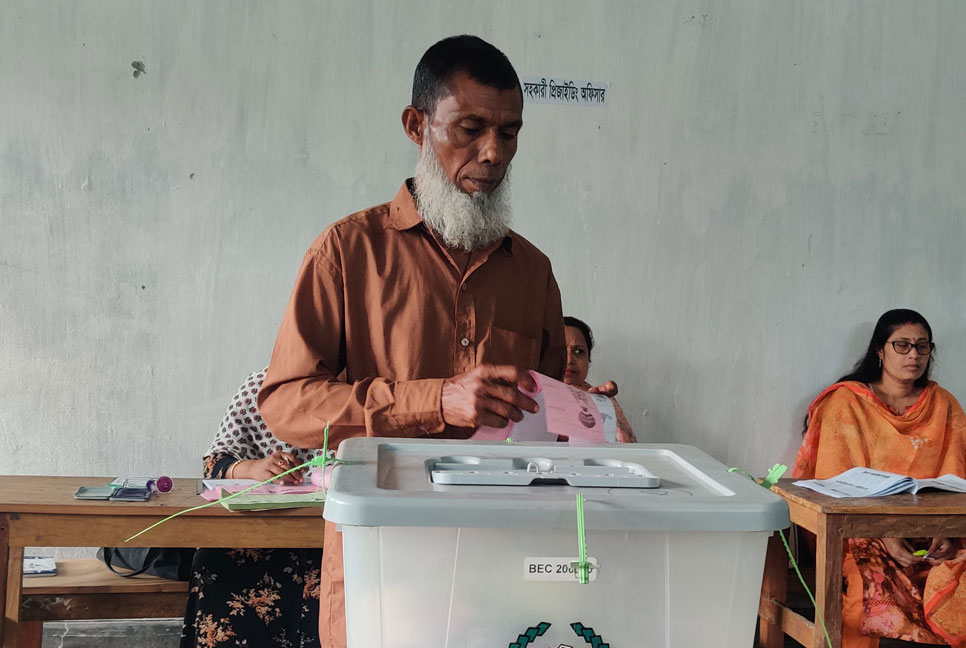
(565, 411)
(266, 489)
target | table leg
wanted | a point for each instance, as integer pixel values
(4, 554)
(830, 547)
(31, 634)
(774, 587)
(13, 574)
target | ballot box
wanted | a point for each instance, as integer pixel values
(469, 544)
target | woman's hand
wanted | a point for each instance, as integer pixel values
(272, 465)
(901, 551)
(608, 389)
(941, 549)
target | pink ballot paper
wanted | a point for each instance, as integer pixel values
(565, 411)
(215, 489)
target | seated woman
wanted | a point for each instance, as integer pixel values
(889, 416)
(252, 597)
(580, 342)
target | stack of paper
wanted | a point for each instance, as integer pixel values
(865, 482)
(265, 497)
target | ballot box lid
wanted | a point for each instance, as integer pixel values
(633, 487)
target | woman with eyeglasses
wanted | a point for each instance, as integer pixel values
(887, 415)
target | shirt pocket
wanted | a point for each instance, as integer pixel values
(502, 346)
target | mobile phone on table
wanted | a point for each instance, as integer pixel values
(94, 492)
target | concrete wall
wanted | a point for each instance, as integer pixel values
(766, 179)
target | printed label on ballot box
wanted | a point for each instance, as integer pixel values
(555, 569)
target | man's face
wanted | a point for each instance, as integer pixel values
(474, 133)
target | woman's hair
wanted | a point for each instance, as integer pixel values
(869, 369)
(583, 328)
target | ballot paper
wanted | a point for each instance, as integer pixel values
(215, 489)
(578, 416)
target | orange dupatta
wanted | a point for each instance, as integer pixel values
(848, 427)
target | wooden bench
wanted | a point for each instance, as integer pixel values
(85, 589)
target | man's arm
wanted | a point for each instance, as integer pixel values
(553, 346)
(302, 393)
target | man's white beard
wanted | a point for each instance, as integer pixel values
(461, 220)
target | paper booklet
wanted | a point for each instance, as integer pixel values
(565, 411)
(865, 482)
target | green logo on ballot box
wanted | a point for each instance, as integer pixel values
(527, 639)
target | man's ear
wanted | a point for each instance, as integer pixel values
(412, 121)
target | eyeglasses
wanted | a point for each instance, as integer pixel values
(902, 347)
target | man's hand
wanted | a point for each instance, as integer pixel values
(608, 389)
(488, 395)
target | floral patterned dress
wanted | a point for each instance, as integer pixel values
(258, 598)
(624, 432)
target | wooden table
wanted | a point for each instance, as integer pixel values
(930, 514)
(40, 511)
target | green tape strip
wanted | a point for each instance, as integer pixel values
(583, 568)
(743, 472)
(801, 579)
(774, 475)
(317, 462)
(770, 479)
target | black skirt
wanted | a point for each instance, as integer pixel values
(258, 598)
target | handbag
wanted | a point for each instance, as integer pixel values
(164, 562)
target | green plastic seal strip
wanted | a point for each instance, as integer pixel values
(774, 475)
(582, 565)
(768, 481)
(320, 461)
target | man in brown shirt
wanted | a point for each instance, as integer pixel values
(421, 316)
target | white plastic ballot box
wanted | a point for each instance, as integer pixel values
(461, 543)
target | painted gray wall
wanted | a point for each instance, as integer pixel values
(767, 178)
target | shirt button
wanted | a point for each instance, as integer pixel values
(465, 287)
(465, 342)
